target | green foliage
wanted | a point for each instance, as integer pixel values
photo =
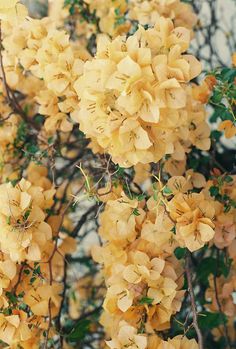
(167, 191)
(79, 331)
(21, 134)
(219, 195)
(180, 252)
(136, 212)
(146, 300)
(224, 95)
(212, 266)
(207, 320)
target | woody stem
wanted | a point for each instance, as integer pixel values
(193, 303)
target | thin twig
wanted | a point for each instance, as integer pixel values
(193, 303)
(61, 305)
(226, 334)
(51, 273)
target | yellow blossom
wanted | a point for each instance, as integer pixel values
(128, 338)
(194, 219)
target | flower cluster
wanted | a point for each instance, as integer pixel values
(143, 278)
(24, 230)
(119, 16)
(164, 214)
(111, 15)
(149, 11)
(25, 243)
(32, 264)
(135, 100)
(47, 54)
(138, 266)
(129, 338)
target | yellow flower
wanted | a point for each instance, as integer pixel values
(178, 184)
(7, 272)
(58, 122)
(37, 299)
(14, 328)
(120, 214)
(24, 232)
(142, 173)
(228, 127)
(133, 96)
(178, 342)
(194, 219)
(127, 338)
(202, 92)
(162, 292)
(175, 167)
(143, 269)
(106, 11)
(148, 12)
(12, 10)
(200, 136)
(118, 296)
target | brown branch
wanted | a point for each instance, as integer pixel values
(82, 221)
(3, 71)
(193, 303)
(19, 278)
(59, 325)
(226, 334)
(49, 307)
(51, 272)
(49, 324)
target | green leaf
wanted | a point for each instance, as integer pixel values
(23, 306)
(180, 252)
(50, 140)
(11, 297)
(211, 265)
(207, 320)
(120, 171)
(226, 115)
(141, 197)
(136, 212)
(214, 191)
(120, 21)
(216, 97)
(216, 135)
(228, 179)
(80, 330)
(32, 148)
(39, 119)
(26, 215)
(167, 191)
(146, 300)
(37, 270)
(228, 74)
(117, 11)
